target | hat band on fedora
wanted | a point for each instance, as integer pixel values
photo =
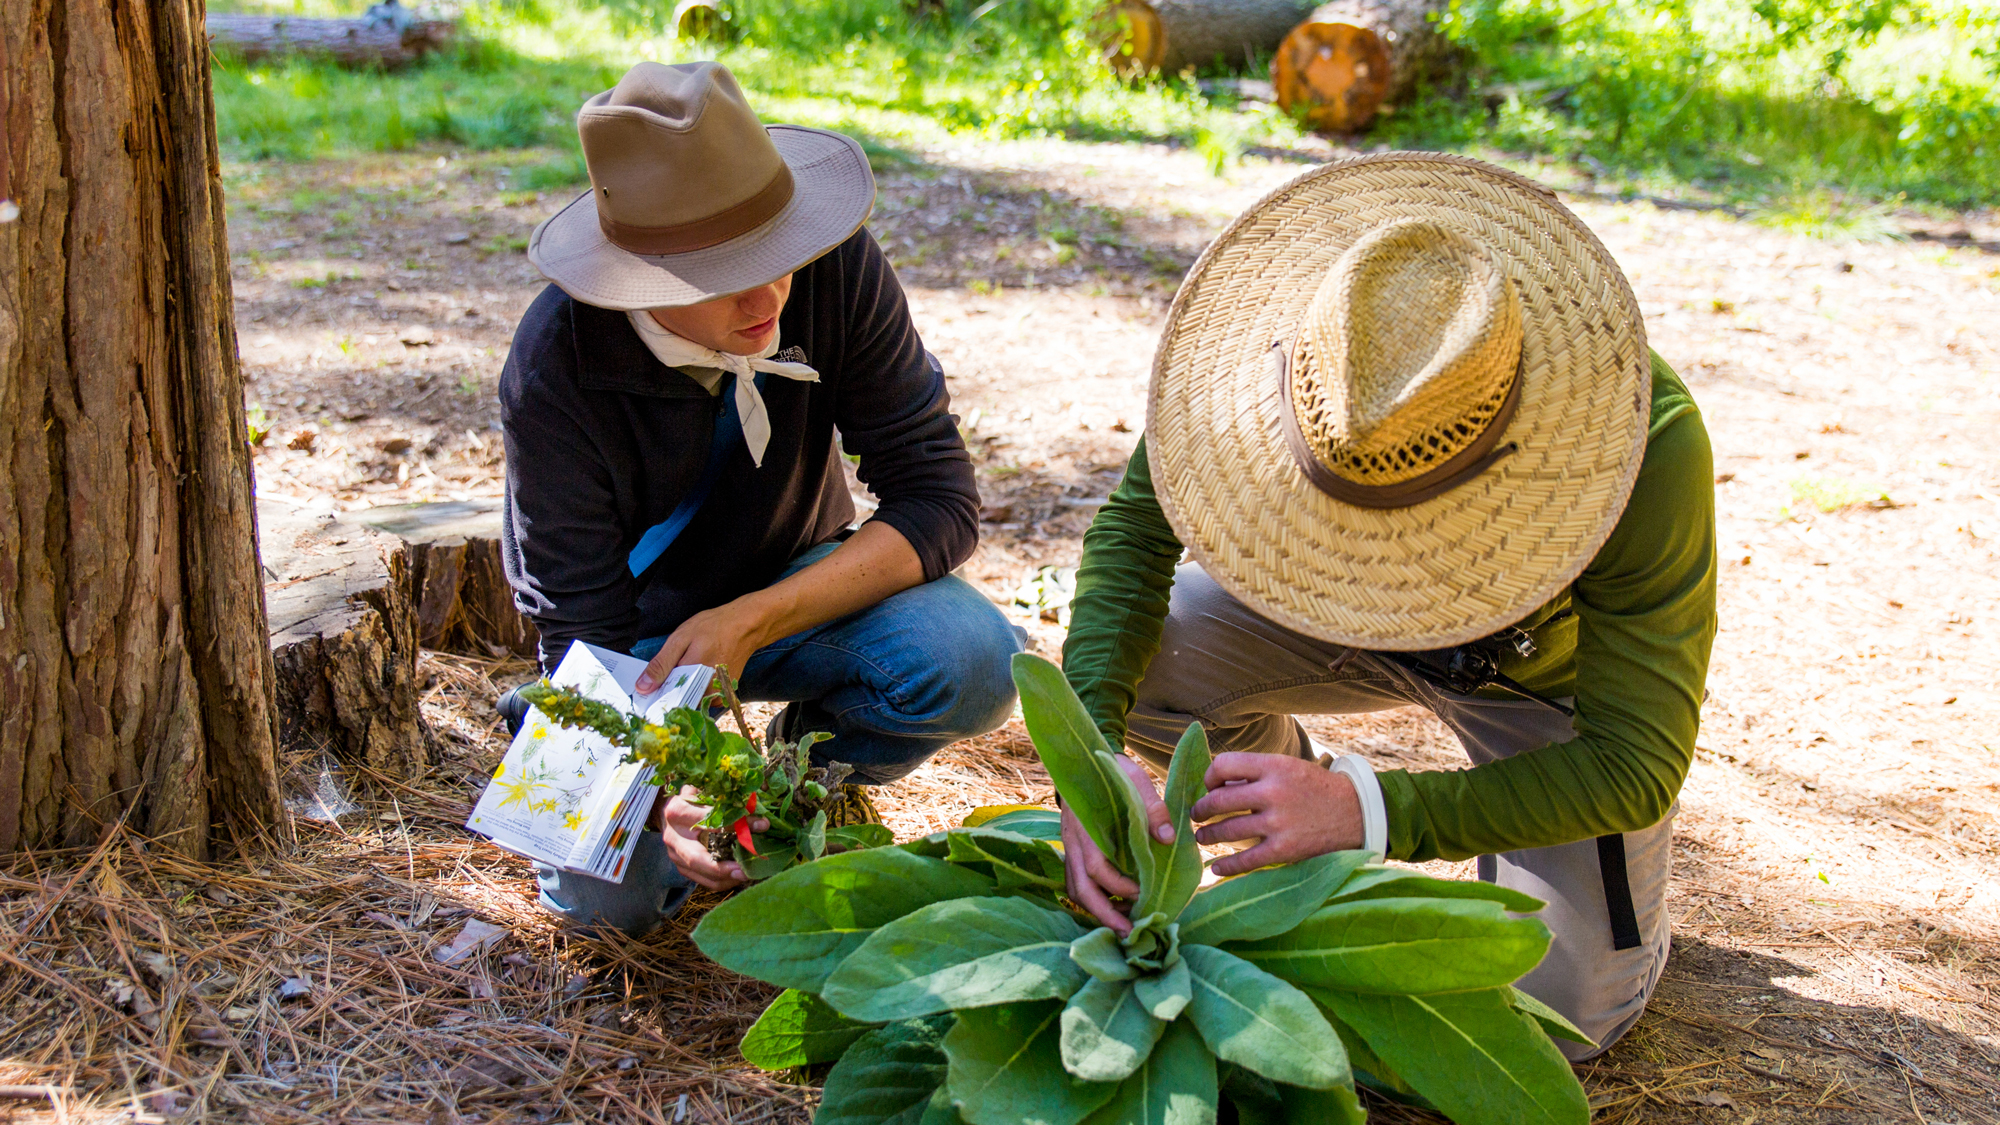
(1478, 456)
(712, 230)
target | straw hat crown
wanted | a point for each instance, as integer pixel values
(1406, 354)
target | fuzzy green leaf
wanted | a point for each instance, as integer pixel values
(1260, 1101)
(812, 838)
(1100, 954)
(793, 929)
(1403, 945)
(1015, 861)
(798, 1029)
(1006, 1068)
(965, 953)
(889, 1077)
(1251, 1018)
(1174, 873)
(1106, 1032)
(1401, 882)
(1266, 902)
(1165, 994)
(1078, 759)
(1551, 1020)
(1036, 824)
(1469, 1053)
(855, 836)
(1176, 1086)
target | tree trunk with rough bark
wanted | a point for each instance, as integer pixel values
(1338, 67)
(135, 675)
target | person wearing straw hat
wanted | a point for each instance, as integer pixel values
(674, 486)
(1405, 425)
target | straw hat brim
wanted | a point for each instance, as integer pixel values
(833, 193)
(1444, 571)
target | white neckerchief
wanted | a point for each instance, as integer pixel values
(706, 366)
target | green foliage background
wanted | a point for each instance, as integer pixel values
(1796, 106)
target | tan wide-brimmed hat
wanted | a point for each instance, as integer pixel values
(692, 198)
(1400, 402)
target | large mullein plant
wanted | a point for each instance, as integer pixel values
(949, 979)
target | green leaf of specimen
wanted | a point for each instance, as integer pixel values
(1400, 882)
(1165, 994)
(888, 1077)
(1260, 1101)
(1174, 873)
(1006, 1068)
(1036, 824)
(1076, 756)
(1403, 945)
(812, 838)
(1267, 901)
(1465, 1052)
(1100, 954)
(1106, 1032)
(799, 1029)
(1551, 1020)
(1015, 861)
(1253, 1019)
(1175, 1087)
(791, 930)
(964, 953)
(852, 836)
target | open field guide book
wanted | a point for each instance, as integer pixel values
(567, 798)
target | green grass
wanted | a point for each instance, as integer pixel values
(1820, 116)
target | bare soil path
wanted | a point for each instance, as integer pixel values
(1837, 886)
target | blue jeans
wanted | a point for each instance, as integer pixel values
(893, 683)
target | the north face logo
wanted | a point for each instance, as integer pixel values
(793, 354)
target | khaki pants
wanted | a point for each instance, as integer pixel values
(1244, 677)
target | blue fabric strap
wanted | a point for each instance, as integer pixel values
(728, 433)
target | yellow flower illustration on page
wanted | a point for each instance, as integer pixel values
(573, 822)
(520, 788)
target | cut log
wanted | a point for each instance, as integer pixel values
(387, 37)
(701, 21)
(1339, 67)
(343, 639)
(352, 598)
(463, 601)
(1141, 36)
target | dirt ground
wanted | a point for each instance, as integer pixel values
(1836, 895)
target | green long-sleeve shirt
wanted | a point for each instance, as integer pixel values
(1633, 652)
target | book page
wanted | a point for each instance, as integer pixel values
(537, 801)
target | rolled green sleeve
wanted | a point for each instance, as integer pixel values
(1122, 588)
(1646, 620)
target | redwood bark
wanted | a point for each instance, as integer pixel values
(135, 679)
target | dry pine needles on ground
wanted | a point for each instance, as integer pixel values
(392, 968)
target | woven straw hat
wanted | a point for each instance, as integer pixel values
(1400, 402)
(691, 198)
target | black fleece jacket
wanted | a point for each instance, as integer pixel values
(603, 441)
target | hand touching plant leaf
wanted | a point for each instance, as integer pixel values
(1286, 979)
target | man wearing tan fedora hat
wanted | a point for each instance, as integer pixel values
(674, 486)
(1404, 421)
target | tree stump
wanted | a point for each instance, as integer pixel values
(352, 598)
(1141, 36)
(1335, 70)
(343, 639)
(456, 580)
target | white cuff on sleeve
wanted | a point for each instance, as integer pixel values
(1374, 813)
